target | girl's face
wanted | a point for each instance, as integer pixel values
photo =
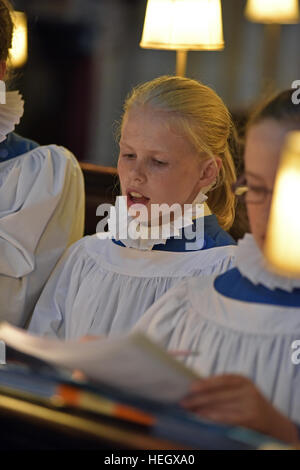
(262, 153)
(157, 165)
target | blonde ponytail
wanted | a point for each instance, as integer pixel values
(221, 199)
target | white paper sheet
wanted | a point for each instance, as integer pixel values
(132, 363)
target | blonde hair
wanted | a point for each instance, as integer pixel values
(204, 119)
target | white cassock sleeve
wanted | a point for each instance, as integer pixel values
(161, 320)
(41, 214)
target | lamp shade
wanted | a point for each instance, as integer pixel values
(18, 51)
(282, 247)
(272, 11)
(183, 25)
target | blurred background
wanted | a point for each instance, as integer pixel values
(84, 57)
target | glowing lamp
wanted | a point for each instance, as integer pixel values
(183, 25)
(18, 51)
(282, 247)
(272, 11)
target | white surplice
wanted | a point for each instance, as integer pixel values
(41, 214)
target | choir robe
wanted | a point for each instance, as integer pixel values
(102, 287)
(41, 214)
(245, 321)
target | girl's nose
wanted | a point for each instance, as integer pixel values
(138, 172)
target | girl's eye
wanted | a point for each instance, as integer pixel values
(159, 162)
(258, 189)
(129, 155)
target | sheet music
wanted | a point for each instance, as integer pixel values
(132, 363)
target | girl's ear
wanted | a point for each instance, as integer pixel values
(209, 171)
(2, 69)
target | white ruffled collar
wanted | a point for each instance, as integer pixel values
(10, 113)
(145, 242)
(252, 265)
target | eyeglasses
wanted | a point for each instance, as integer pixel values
(250, 194)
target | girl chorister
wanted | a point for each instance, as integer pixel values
(174, 149)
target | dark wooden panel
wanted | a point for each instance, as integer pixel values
(101, 185)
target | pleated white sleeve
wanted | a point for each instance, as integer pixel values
(41, 214)
(230, 336)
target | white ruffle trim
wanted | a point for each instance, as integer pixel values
(252, 265)
(10, 113)
(168, 230)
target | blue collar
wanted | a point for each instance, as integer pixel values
(214, 236)
(235, 286)
(15, 145)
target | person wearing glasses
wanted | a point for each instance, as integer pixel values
(244, 322)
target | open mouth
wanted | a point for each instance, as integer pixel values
(134, 197)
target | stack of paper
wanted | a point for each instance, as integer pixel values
(132, 363)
